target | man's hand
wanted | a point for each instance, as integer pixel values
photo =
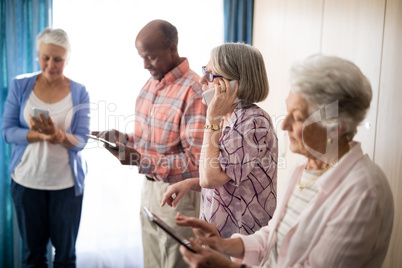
(125, 153)
(112, 136)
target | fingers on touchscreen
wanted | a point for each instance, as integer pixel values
(169, 230)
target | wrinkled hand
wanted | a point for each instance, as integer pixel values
(175, 192)
(206, 232)
(56, 138)
(205, 256)
(45, 126)
(222, 102)
(125, 153)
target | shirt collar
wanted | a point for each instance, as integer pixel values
(176, 72)
(333, 177)
(237, 112)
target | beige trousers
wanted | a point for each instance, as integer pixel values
(159, 248)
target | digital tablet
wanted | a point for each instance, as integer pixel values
(179, 238)
(108, 143)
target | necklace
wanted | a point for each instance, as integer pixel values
(304, 185)
(316, 176)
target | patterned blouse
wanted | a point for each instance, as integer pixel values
(248, 155)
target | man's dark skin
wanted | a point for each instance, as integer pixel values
(159, 57)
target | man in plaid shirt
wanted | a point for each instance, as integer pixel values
(167, 138)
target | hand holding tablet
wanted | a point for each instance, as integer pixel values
(108, 143)
(177, 236)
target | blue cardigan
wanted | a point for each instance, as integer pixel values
(14, 128)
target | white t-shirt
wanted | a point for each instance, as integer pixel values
(46, 166)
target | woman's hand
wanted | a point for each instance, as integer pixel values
(206, 232)
(45, 130)
(208, 235)
(177, 190)
(45, 126)
(205, 256)
(57, 137)
(222, 102)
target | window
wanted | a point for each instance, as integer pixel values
(104, 59)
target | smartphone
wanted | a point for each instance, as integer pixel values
(209, 94)
(177, 236)
(108, 143)
(37, 111)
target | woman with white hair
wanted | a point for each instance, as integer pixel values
(46, 166)
(337, 210)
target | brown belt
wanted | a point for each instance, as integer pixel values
(149, 178)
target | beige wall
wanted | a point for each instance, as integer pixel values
(365, 32)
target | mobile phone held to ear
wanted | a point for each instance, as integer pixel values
(177, 236)
(209, 94)
(37, 111)
(108, 143)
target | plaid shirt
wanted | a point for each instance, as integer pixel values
(170, 117)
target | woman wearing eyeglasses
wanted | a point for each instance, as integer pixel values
(238, 163)
(337, 210)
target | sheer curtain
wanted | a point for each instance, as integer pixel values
(104, 58)
(21, 21)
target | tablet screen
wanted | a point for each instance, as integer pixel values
(179, 238)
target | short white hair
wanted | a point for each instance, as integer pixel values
(56, 37)
(324, 80)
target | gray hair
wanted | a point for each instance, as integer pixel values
(242, 62)
(324, 80)
(53, 36)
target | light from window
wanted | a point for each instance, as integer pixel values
(104, 59)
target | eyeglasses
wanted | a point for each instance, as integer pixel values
(208, 75)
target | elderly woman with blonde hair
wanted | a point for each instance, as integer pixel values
(337, 210)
